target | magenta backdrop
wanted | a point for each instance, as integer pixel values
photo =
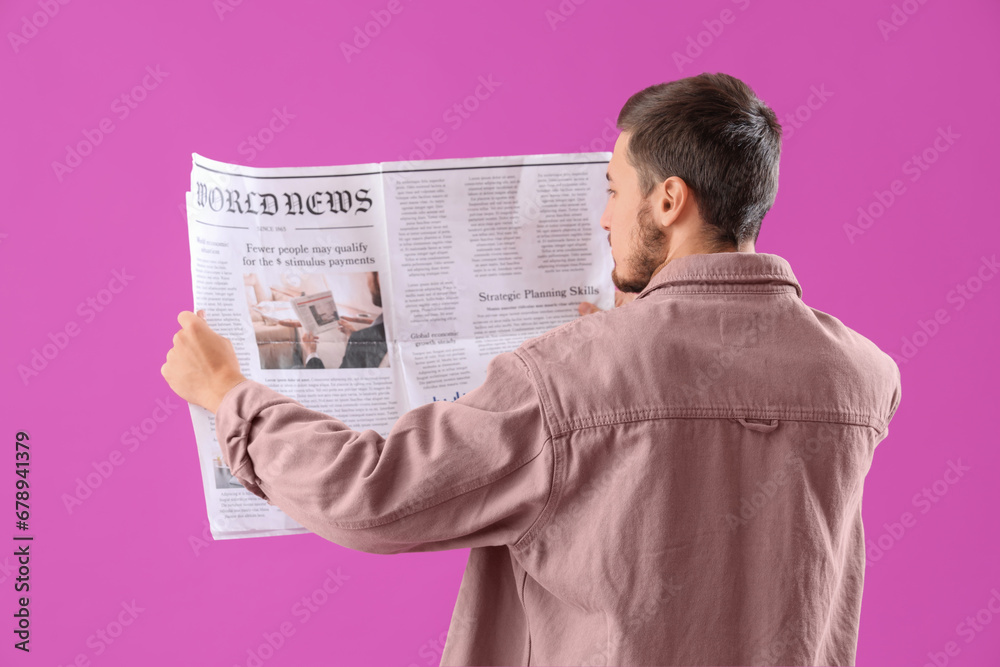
(888, 107)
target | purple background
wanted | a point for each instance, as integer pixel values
(563, 70)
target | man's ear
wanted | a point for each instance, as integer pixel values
(664, 203)
(672, 198)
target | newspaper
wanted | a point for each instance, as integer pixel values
(363, 291)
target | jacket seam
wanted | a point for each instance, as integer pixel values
(555, 487)
(555, 494)
(540, 391)
(579, 425)
(542, 397)
(631, 416)
(684, 289)
(548, 500)
(524, 607)
(607, 648)
(725, 274)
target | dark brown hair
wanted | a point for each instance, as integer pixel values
(713, 132)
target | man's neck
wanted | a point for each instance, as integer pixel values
(700, 250)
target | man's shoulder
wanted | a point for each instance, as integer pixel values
(853, 343)
(591, 345)
(585, 329)
(375, 332)
(668, 351)
(857, 359)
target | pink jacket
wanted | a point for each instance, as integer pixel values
(676, 481)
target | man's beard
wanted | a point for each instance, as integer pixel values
(647, 252)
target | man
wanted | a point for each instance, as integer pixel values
(366, 346)
(675, 481)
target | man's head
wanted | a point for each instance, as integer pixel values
(374, 288)
(694, 170)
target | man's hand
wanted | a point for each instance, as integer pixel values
(201, 366)
(309, 344)
(621, 298)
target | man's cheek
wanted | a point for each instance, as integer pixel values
(617, 243)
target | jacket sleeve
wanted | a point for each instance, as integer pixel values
(450, 474)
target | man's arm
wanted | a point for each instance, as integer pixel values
(473, 472)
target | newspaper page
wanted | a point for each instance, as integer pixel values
(363, 291)
(287, 264)
(485, 253)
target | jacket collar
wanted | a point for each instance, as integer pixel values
(721, 271)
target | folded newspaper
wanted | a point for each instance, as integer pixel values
(363, 291)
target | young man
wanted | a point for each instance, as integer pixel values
(675, 481)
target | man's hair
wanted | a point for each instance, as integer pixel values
(713, 132)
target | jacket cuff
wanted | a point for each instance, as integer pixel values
(233, 419)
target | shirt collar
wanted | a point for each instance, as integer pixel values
(719, 271)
